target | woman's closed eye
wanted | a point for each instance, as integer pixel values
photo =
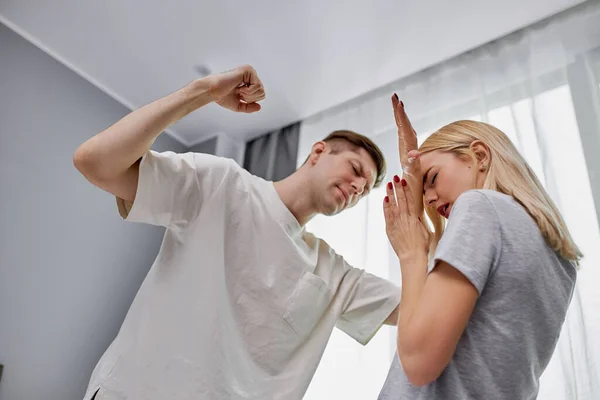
(431, 184)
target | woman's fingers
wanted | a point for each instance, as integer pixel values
(407, 137)
(413, 155)
(389, 191)
(395, 103)
(400, 195)
(386, 208)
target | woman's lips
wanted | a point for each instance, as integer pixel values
(444, 210)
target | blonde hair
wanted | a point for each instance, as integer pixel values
(508, 173)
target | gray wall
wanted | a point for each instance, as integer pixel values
(208, 146)
(69, 267)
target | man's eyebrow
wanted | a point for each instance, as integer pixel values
(363, 174)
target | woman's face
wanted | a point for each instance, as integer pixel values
(446, 177)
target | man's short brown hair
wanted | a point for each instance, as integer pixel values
(349, 140)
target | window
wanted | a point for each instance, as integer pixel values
(544, 128)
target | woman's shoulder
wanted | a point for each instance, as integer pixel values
(487, 198)
(489, 202)
(484, 195)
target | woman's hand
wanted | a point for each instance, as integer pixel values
(407, 137)
(407, 151)
(407, 234)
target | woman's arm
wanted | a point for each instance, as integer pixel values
(435, 310)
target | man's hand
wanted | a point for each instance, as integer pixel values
(237, 90)
(407, 137)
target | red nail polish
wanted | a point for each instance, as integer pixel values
(396, 96)
(419, 218)
(390, 185)
(387, 199)
(403, 182)
(402, 104)
(396, 178)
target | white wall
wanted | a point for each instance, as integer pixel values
(69, 267)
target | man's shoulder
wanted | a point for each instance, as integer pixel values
(325, 251)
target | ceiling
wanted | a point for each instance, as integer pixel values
(311, 54)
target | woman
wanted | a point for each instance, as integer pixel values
(484, 298)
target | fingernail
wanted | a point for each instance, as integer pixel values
(419, 218)
(403, 182)
(387, 199)
(396, 96)
(390, 185)
(402, 104)
(396, 178)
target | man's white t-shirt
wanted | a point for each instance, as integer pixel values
(240, 301)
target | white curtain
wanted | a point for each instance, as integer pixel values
(541, 87)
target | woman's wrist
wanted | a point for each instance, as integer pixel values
(413, 258)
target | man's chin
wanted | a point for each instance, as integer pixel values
(331, 210)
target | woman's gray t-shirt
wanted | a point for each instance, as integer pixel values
(524, 292)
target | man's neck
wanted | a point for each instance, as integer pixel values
(294, 192)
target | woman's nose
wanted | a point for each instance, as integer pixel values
(430, 199)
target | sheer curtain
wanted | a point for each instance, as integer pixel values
(541, 87)
(272, 156)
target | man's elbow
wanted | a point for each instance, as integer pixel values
(84, 161)
(80, 159)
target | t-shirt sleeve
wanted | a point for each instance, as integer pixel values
(371, 300)
(472, 240)
(173, 187)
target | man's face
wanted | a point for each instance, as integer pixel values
(339, 180)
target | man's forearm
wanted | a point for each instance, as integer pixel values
(114, 150)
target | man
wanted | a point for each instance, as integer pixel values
(241, 301)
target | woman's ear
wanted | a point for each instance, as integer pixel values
(482, 154)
